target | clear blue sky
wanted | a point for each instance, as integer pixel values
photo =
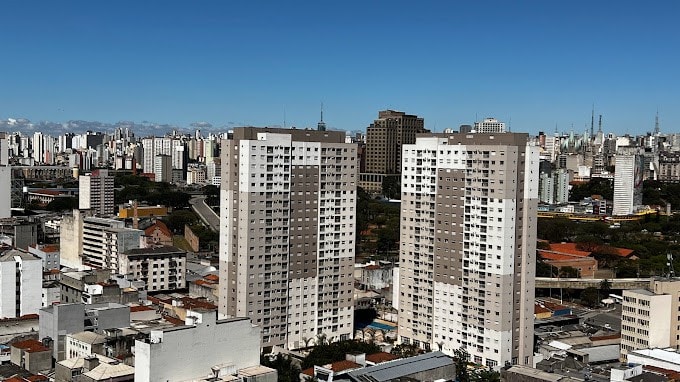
(536, 63)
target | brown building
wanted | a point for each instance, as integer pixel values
(287, 237)
(32, 355)
(384, 138)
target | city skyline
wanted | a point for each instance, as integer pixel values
(537, 66)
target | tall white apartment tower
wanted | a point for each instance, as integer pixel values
(20, 283)
(96, 193)
(287, 233)
(468, 245)
(628, 178)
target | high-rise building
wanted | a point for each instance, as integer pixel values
(162, 168)
(20, 283)
(96, 193)
(287, 233)
(628, 178)
(489, 125)
(468, 245)
(649, 317)
(384, 139)
(5, 178)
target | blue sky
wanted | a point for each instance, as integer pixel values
(537, 64)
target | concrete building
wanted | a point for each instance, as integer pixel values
(287, 236)
(96, 193)
(5, 178)
(31, 355)
(468, 245)
(60, 320)
(204, 347)
(48, 254)
(628, 178)
(489, 125)
(83, 344)
(384, 139)
(162, 168)
(93, 368)
(669, 167)
(20, 283)
(649, 317)
(96, 286)
(432, 366)
(90, 242)
(666, 359)
(161, 268)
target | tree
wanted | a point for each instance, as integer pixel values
(178, 219)
(569, 272)
(460, 359)
(336, 351)
(62, 204)
(605, 287)
(287, 370)
(485, 376)
(590, 297)
(391, 186)
(405, 350)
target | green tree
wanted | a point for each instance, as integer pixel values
(391, 186)
(62, 204)
(336, 351)
(590, 297)
(605, 287)
(461, 358)
(569, 272)
(485, 375)
(287, 370)
(179, 218)
(405, 350)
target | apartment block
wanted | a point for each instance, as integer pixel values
(489, 125)
(468, 245)
(96, 193)
(649, 317)
(287, 236)
(628, 178)
(20, 283)
(161, 268)
(384, 139)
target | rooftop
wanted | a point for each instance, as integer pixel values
(401, 367)
(89, 337)
(30, 346)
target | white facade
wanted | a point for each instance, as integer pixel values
(645, 320)
(467, 245)
(489, 125)
(20, 284)
(186, 352)
(662, 358)
(287, 233)
(628, 177)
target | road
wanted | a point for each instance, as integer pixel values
(207, 215)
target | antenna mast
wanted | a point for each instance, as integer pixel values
(592, 122)
(321, 126)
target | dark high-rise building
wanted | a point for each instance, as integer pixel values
(384, 138)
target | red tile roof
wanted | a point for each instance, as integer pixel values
(539, 309)
(30, 346)
(380, 357)
(568, 249)
(140, 308)
(212, 277)
(160, 226)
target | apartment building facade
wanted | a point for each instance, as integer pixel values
(96, 193)
(20, 283)
(649, 317)
(287, 236)
(468, 244)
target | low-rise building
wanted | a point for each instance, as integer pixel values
(93, 368)
(48, 253)
(209, 347)
(83, 344)
(31, 355)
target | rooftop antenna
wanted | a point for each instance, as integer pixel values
(321, 126)
(510, 125)
(592, 121)
(671, 270)
(599, 127)
(284, 117)
(656, 123)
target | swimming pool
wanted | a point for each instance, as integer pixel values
(380, 325)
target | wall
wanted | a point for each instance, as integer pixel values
(210, 343)
(191, 238)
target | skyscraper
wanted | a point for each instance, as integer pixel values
(287, 233)
(489, 125)
(468, 244)
(384, 139)
(628, 177)
(96, 193)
